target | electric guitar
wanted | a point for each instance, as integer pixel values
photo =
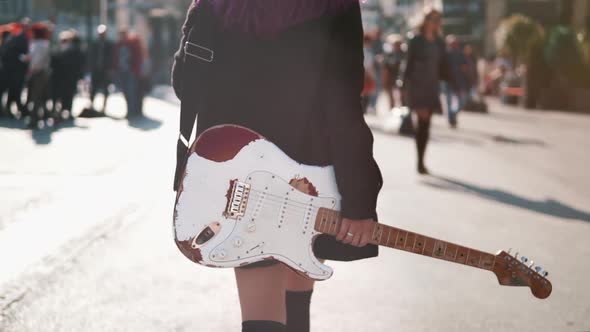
(242, 200)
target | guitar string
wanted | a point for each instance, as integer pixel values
(290, 203)
(299, 211)
(282, 198)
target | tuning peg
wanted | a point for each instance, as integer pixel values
(531, 264)
(516, 255)
(538, 269)
(545, 274)
(524, 259)
(509, 250)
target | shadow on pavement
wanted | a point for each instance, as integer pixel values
(477, 136)
(144, 123)
(503, 139)
(40, 136)
(549, 207)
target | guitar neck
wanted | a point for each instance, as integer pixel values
(329, 221)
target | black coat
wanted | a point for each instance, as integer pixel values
(94, 56)
(12, 52)
(427, 94)
(301, 90)
(68, 68)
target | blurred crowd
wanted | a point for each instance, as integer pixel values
(41, 72)
(386, 62)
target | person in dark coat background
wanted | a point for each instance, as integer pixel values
(16, 67)
(100, 58)
(456, 94)
(127, 66)
(68, 69)
(6, 35)
(426, 66)
(293, 73)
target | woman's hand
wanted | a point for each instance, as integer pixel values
(356, 232)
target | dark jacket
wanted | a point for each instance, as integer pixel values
(68, 67)
(301, 90)
(14, 48)
(100, 56)
(424, 92)
(415, 49)
(135, 56)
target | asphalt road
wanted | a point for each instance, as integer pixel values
(86, 240)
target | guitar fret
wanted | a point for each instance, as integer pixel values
(388, 235)
(332, 222)
(380, 234)
(402, 240)
(335, 221)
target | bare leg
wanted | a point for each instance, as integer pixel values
(262, 293)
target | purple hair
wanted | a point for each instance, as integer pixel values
(270, 17)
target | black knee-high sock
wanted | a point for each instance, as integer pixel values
(422, 136)
(262, 326)
(298, 311)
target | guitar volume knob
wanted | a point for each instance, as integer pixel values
(222, 254)
(238, 242)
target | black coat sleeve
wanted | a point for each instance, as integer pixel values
(177, 67)
(350, 139)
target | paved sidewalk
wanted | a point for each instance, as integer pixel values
(508, 179)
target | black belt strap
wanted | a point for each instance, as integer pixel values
(200, 17)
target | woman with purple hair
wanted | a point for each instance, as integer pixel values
(291, 70)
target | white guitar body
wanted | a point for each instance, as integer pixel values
(242, 200)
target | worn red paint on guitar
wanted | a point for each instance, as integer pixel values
(223, 143)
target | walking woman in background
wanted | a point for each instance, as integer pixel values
(39, 60)
(426, 66)
(291, 70)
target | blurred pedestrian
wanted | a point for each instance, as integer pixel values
(472, 72)
(456, 89)
(426, 66)
(4, 37)
(370, 83)
(100, 58)
(393, 59)
(68, 69)
(145, 79)
(39, 60)
(16, 67)
(127, 65)
(377, 58)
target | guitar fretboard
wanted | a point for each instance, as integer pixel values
(328, 222)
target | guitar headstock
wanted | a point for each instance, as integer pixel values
(512, 270)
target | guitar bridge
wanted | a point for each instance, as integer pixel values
(237, 199)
